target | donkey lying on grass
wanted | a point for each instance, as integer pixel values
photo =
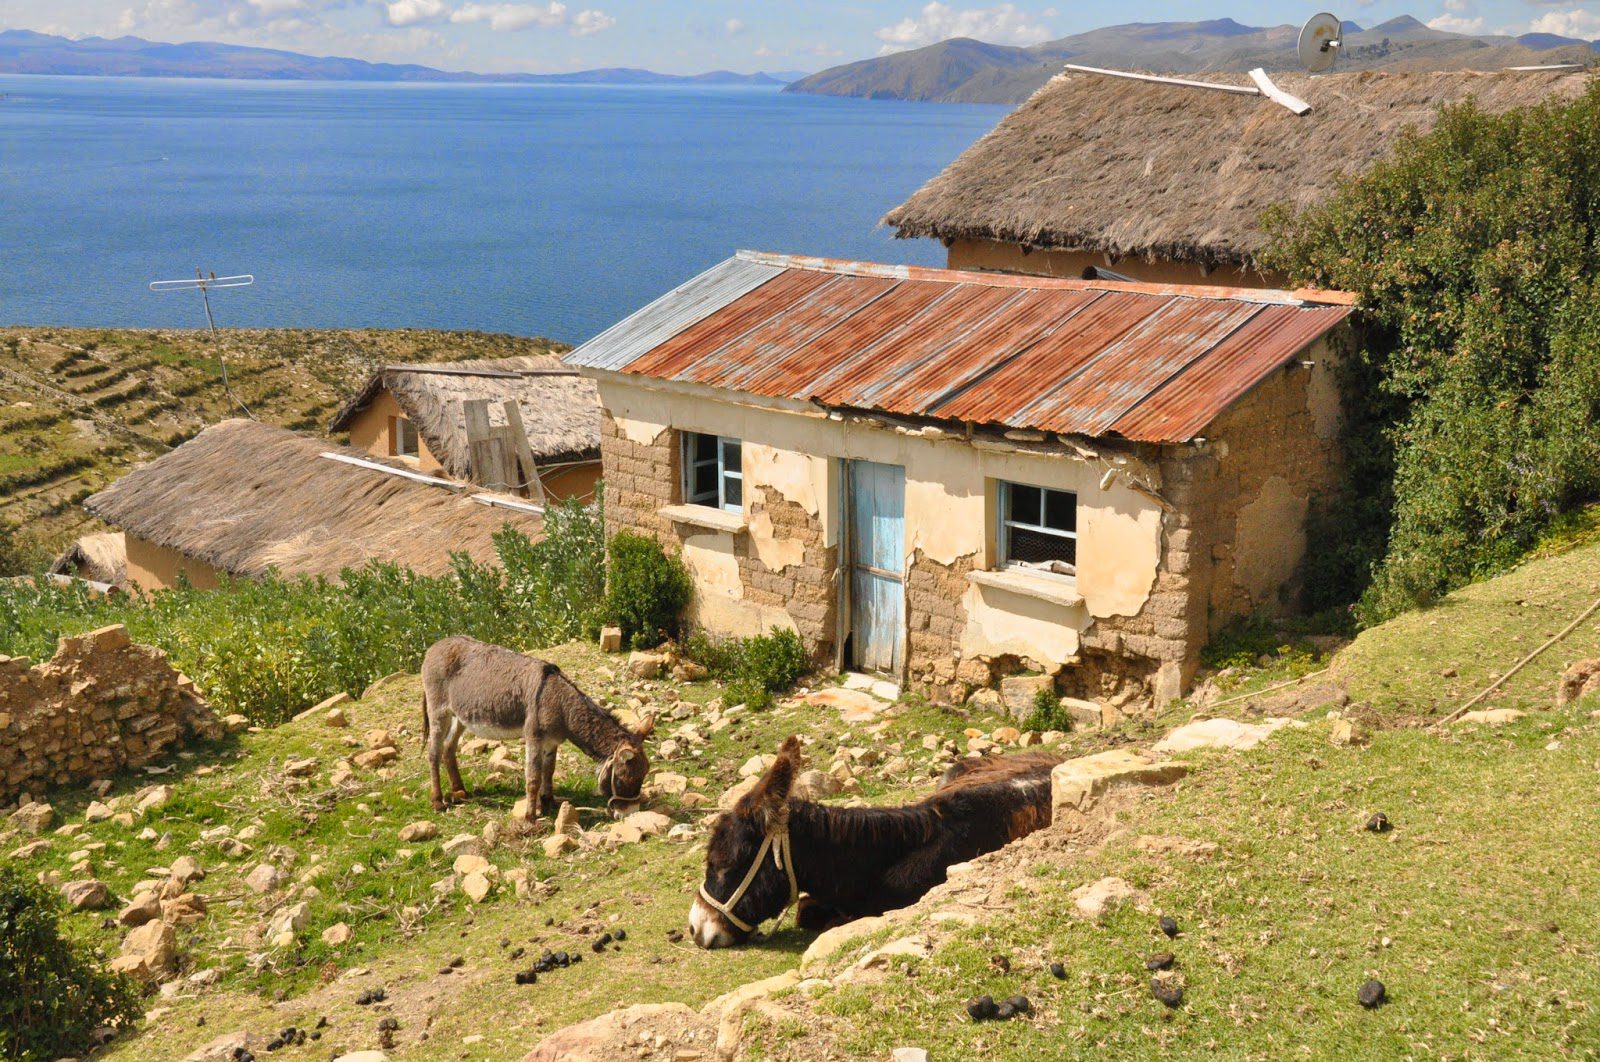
(852, 862)
(498, 693)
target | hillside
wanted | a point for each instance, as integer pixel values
(27, 52)
(79, 407)
(967, 71)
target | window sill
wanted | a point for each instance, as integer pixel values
(705, 516)
(1057, 589)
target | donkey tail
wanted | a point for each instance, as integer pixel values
(424, 714)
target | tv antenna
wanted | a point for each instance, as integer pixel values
(204, 282)
(1321, 38)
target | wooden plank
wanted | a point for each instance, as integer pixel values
(476, 414)
(1238, 90)
(1276, 94)
(528, 470)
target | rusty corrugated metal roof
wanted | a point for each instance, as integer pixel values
(1148, 362)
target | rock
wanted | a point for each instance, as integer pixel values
(463, 844)
(151, 798)
(144, 907)
(186, 869)
(477, 886)
(1220, 734)
(337, 935)
(1372, 994)
(559, 844)
(689, 671)
(362, 1056)
(379, 738)
(234, 1045)
(649, 823)
(1347, 733)
(290, 921)
(611, 639)
(1098, 899)
(336, 718)
(668, 783)
(644, 665)
(1085, 715)
(567, 819)
(331, 710)
(733, 793)
(183, 910)
(908, 1054)
(90, 895)
(149, 952)
(32, 848)
(421, 830)
(1490, 717)
(755, 765)
(467, 863)
(1077, 785)
(235, 723)
(624, 833)
(854, 705)
(1180, 846)
(375, 758)
(300, 768)
(610, 1036)
(264, 878)
(1578, 681)
(814, 785)
(1007, 735)
(1018, 692)
(97, 812)
(33, 818)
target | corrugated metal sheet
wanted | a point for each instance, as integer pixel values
(1154, 363)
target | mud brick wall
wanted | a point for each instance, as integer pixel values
(100, 704)
(639, 479)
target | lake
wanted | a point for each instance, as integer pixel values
(550, 210)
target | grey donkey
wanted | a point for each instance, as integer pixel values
(499, 693)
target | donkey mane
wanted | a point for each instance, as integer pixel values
(821, 824)
(595, 731)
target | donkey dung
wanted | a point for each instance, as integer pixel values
(1372, 994)
(1169, 925)
(1161, 960)
(983, 1008)
(1379, 823)
(1169, 992)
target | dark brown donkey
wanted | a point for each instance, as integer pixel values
(852, 862)
(468, 685)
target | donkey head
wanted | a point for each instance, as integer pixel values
(622, 774)
(736, 845)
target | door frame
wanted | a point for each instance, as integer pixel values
(846, 577)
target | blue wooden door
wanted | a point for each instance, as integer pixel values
(877, 505)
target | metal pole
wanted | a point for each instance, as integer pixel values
(211, 321)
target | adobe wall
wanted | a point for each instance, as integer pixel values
(99, 705)
(573, 481)
(154, 567)
(995, 256)
(372, 430)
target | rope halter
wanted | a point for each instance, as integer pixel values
(777, 840)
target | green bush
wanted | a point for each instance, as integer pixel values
(53, 995)
(19, 554)
(646, 590)
(1048, 713)
(754, 668)
(1475, 251)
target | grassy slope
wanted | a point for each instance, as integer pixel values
(1476, 911)
(646, 887)
(79, 407)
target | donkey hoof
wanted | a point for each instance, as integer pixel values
(439, 804)
(459, 795)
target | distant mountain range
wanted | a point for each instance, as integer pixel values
(969, 71)
(27, 52)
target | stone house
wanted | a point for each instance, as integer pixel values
(945, 477)
(1168, 183)
(418, 415)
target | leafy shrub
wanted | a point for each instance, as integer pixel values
(19, 554)
(53, 995)
(754, 668)
(1475, 251)
(1048, 713)
(646, 590)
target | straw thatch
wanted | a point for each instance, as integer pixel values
(244, 497)
(1134, 169)
(101, 558)
(560, 409)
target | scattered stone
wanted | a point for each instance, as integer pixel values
(33, 818)
(375, 758)
(735, 792)
(186, 869)
(97, 812)
(814, 785)
(1490, 717)
(144, 907)
(649, 823)
(468, 863)
(1076, 785)
(900, 1054)
(151, 797)
(1018, 692)
(421, 830)
(1169, 990)
(149, 952)
(1347, 733)
(1098, 899)
(290, 921)
(1372, 994)
(32, 848)
(90, 895)
(1578, 681)
(1169, 926)
(625, 833)
(183, 910)
(1220, 734)
(1161, 960)
(559, 844)
(1179, 846)
(362, 1056)
(668, 783)
(1008, 735)
(643, 665)
(463, 844)
(300, 768)
(263, 879)
(567, 819)
(611, 639)
(477, 885)
(1379, 823)
(337, 935)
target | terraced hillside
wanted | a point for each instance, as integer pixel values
(79, 407)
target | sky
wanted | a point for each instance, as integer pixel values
(690, 36)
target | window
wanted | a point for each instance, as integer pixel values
(403, 437)
(713, 471)
(1038, 527)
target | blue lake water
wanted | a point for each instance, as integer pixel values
(533, 210)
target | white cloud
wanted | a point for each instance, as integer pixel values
(1457, 24)
(508, 17)
(588, 23)
(1001, 24)
(763, 52)
(825, 51)
(411, 12)
(1575, 23)
(734, 26)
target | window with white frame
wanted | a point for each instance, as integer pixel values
(713, 471)
(403, 436)
(1038, 528)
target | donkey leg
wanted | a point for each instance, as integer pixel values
(437, 732)
(458, 789)
(530, 774)
(547, 777)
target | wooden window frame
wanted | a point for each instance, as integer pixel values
(1005, 524)
(397, 434)
(722, 447)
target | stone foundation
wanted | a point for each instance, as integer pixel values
(99, 705)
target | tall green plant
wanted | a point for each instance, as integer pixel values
(1475, 251)
(646, 589)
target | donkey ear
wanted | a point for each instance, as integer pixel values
(646, 727)
(624, 754)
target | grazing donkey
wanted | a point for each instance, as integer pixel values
(498, 693)
(852, 862)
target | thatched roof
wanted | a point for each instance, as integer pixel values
(244, 497)
(101, 558)
(1135, 169)
(560, 409)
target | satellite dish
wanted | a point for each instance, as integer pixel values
(1320, 40)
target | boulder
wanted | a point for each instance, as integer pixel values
(183, 910)
(1490, 717)
(264, 878)
(467, 863)
(290, 920)
(97, 812)
(814, 785)
(559, 844)
(89, 895)
(1347, 733)
(649, 823)
(611, 639)
(756, 765)
(300, 768)
(668, 783)
(566, 819)
(463, 844)
(1085, 715)
(149, 952)
(33, 818)
(477, 885)
(1018, 692)
(733, 793)
(1220, 734)
(1098, 899)
(421, 830)
(151, 798)
(1077, 785)
(186, 869)
(1578, 681)
(642, 665)
(625, 833)
(32, 848)
(144, 907)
